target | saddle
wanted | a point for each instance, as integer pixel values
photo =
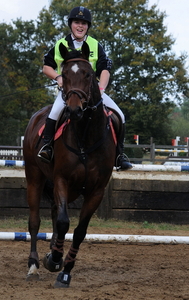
(113, 123)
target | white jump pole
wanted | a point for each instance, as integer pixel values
(171, 150)
(9, 163)
(172, 168)
(156, 239)
(136, 167)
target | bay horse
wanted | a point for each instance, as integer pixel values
(84, 156)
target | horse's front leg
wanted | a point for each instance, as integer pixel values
(90, 205)
(33, 197)
(53, 261)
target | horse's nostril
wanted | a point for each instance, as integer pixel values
(79, 112)
(74, 114)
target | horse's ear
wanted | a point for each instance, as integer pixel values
(63, 50)
(85, 50)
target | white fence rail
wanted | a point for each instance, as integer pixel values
(16, 152)
(9, 152)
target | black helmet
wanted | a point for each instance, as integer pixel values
(80, 13)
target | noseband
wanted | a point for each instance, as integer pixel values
(81, 94)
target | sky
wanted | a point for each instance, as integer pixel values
(177, 20)
(25, 9)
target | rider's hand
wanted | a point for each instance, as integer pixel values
(59, 80)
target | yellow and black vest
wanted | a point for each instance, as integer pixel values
(93, 57)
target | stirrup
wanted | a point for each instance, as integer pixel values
(118, 167)
(42, 157)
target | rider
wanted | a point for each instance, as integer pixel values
(79, 21)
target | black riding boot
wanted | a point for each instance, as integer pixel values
(46, 152)
(122, 161)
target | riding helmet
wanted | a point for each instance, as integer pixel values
(80, 13)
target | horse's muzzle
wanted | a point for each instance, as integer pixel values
(74, 114)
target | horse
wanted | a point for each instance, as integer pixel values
(84, 157)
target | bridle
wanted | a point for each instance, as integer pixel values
(81, 94)
(84, 97)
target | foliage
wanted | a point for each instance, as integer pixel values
(146, 73)
(21, 75)
(134, 153)
(146, 81)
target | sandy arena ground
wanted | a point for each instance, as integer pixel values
(103, 271)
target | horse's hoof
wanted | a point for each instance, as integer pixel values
(33, 274)
(63, 280)
(50, 265)
(32, 277)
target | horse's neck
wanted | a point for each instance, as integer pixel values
(92, 126)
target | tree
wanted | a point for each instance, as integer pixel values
(20, 79)
(147, 78)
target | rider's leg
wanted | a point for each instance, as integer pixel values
(122, 161)
(46, 152)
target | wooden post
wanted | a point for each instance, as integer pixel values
(152, 150)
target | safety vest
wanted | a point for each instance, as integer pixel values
(93, 56)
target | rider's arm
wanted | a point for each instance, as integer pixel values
(104, 79)
(50, 66)
(52, 74)
(103, 67)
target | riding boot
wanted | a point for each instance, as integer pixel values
(46, 152)
(122, 161)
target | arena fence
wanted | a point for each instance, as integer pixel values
(172, 152)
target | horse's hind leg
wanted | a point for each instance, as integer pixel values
(34, 191)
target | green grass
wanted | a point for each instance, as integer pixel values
(164, 226)
(136, 225)
(22, 224)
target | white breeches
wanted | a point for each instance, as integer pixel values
(111, 104)
(59, 104)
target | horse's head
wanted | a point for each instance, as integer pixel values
(78, 78)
